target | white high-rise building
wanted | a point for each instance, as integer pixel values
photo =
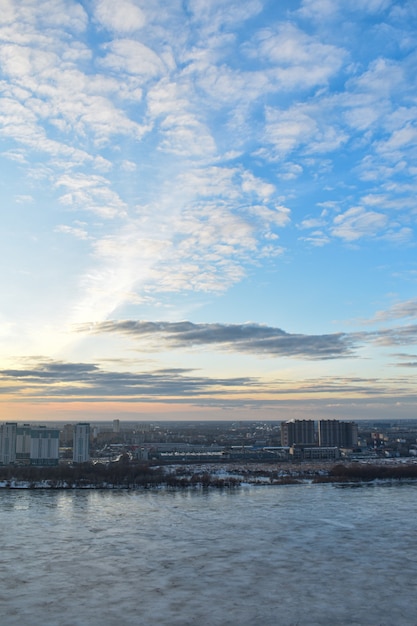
(81, 444)
(23, 443)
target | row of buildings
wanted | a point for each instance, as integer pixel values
(24, 444)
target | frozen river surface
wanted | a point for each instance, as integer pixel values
(291, 555)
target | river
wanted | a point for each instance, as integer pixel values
(269, 556)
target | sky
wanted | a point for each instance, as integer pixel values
(208, 209)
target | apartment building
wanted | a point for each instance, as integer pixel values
(297, 432)
(28, 445)
(81, 443)
(336, 433)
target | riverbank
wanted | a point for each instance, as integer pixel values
(145, 476)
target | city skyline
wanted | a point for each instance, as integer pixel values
(208, 210)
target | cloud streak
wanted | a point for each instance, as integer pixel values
(258, 339)
(248, 338)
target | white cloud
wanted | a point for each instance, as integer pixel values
(77, 232)
(91, 193)
(121, 17)
(62, 14)
(49, 16)
(373, 169)
(400, 236)
(290, 171)
(215, 15)
(132, 57)
(316, 238)
(227, 86)
(15, 155)
(181, 127)
(356, 223)
(184, 135)
(300, 61)
(252, 184)
(311, 222)
(286, 130)
(382, 79)
(210, 181)
(128, 166)
(319, 10)
(275, 216)
(7, 13)
(399, 140)
(24, 199)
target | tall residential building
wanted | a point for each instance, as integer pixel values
(8, 443)
(44, 446)
(23, 443)
(297, 432)
(67, 435)
(335, 433)
(81, 445)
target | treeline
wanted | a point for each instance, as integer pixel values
(122, 474)
(366, 472)
(119, 474)
(200, 479)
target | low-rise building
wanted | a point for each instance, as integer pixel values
(314, 453)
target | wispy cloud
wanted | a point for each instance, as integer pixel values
(399, 310)
(399, 336)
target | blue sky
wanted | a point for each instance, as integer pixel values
(208, 209)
